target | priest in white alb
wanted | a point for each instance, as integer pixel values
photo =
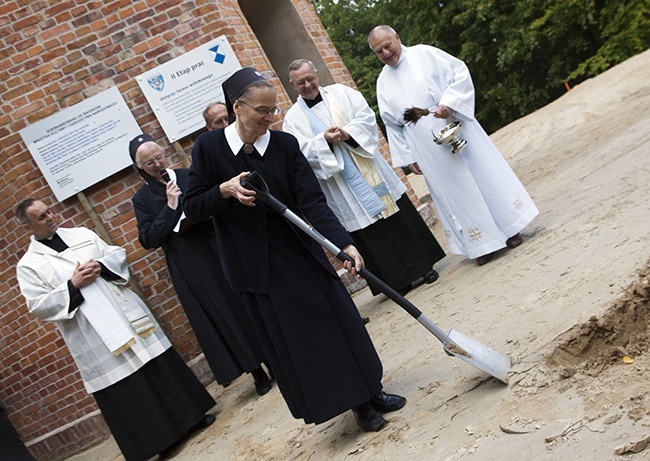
(148, 396)
(481, 203)
(337, 133)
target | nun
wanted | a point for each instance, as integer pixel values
(220, 323)
(321, 355)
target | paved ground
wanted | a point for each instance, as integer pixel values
(570, 306)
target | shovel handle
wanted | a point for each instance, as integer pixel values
(262, 191)
(451, 346)
(256, 183)
(383, 286)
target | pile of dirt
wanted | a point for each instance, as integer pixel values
(615, 338)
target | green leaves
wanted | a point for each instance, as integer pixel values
(520, 52)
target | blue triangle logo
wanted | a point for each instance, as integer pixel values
(218, 57)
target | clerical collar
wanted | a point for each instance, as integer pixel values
(402, 55)
(312, 102)
(236, 144)
(54, 242)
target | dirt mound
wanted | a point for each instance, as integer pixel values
(618, 336)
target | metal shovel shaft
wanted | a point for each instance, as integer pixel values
(463, 347)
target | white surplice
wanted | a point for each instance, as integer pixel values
(362, 127)
(43, 275)
(479, 199)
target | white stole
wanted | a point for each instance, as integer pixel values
(111, 315)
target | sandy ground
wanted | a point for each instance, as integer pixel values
(569, 306)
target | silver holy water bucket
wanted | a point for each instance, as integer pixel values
(449, 134)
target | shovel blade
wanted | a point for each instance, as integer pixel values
(479, 355)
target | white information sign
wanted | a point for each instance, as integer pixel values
(83, 144)
(179, 90)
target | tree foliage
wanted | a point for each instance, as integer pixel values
(520, 52)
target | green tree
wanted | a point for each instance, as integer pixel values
(348, 24)
(520, 52)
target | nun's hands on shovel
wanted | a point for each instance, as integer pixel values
(353, 253)
(233, 188)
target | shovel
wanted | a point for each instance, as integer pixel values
(455, 343)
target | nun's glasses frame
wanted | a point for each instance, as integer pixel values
(261, 109)
(158, 159)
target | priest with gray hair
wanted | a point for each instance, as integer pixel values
(337, 132)
(481, 204)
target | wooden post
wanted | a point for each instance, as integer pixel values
(184, 157)
(101, 230)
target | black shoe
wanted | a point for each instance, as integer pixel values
(368, 418)
(430, 276)
(262, 382)
(483, 260)
(514, 241)
(384, 403)
(207, 420)
(365, 320)
(169, 452)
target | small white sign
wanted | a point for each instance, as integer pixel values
(179, 90)
(83, 144)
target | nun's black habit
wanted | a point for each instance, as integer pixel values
(319, 350)
(222, 327)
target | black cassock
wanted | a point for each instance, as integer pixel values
(320, 352)
(215, 312)
(11, 447)
(399, 249)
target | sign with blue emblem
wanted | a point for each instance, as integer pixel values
(157, 82)
(179, 90)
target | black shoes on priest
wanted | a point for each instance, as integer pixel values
(430, 276)
(369, 416)
(169, 452)
(207, 420)
(262, 381)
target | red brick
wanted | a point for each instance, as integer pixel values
(59, 8)
(125, 13)
(27, 109)
(26, 22)
(83, 41)
(74, 66)
(111, 7)
(63, 17)
(92, 16)
(78, 11)
(47, 78)
(8, 7)
(12, 39)
(16, 92)
(55, 31)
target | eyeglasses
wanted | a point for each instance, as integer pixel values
(151, 163)
(311, 80)
(262, 110)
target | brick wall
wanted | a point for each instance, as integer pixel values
(55, 54)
